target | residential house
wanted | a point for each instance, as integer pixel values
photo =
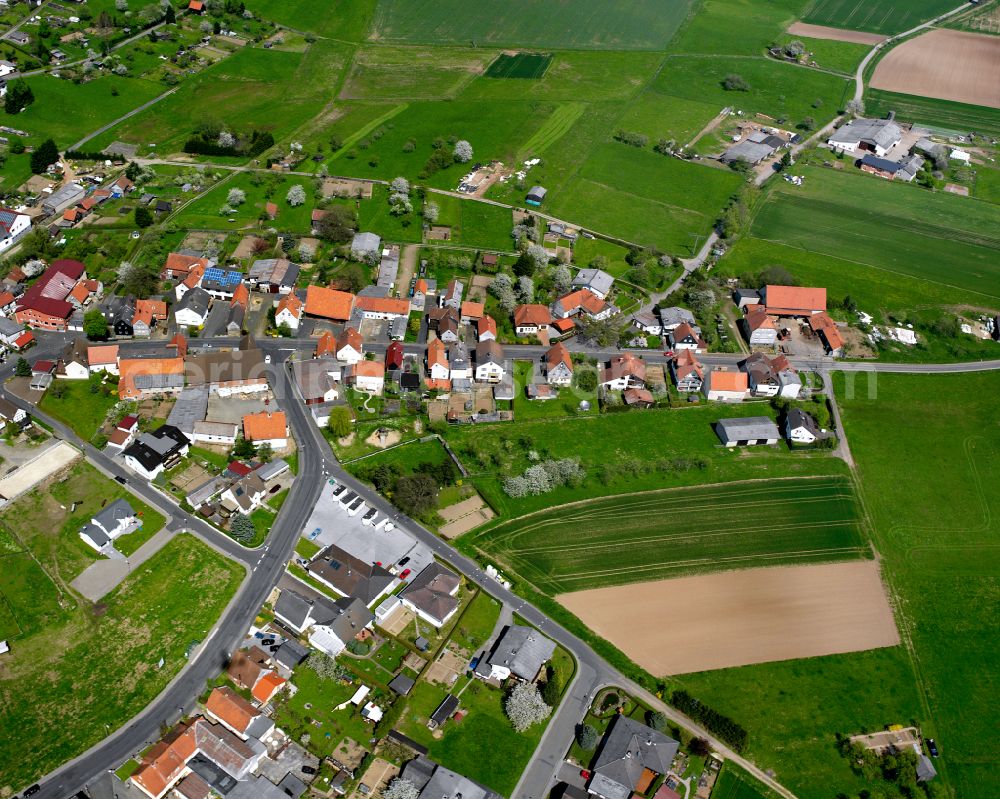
(452, 295)
(192, 280)
(229, 372)
(368, 376)
(761, 327)
(44, 305)
(647, 322)
(793, 300)
(331, 625)
(8, 304)
(687, 337)
(237, 310)
(788, 377)
(156, 451)
(245, 495)
(801, 428)
(179, 265)
(124, 433)
(119, 312)
(437, 365)
(13, 226)
(113, 521)
(558, 365)
(638, 398)
(10, 413)
(489, 362)
(532, 320)
(876, 136)
(905, 169)
(687, 371)
(236, 714)
(445, 322)
(519, 652)
(486, 328)
(747, 431)
(288, 311)
(724, 386)
(317, 379)
(596, 281)
(762, 377)
(422, 289)
(581, 303)
(73, 364)
(394, 354)
(147, 314)
(630, 758)
(273, 276)
(329, 303)
(149, 377)
(433, 781)
(472, 312)
(268, 686)
(431, 594)
(349, 576)
(221, 283)
(459, 365)
(623, 372)
(192, 310)
(826, 328)
(266, 428)
(10, 331)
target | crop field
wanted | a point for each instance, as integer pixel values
(412, 73)
(942, 238)
(346, 20)
(878, 16)
(621, 25)
(659, 534)
(943, 115)
(529, 66)
(645, 197)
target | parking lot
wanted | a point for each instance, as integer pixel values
(363, 541)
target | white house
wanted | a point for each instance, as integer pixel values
(762, 328)
(192, 310)
(790, 382)
(866, 135)
(367, 376)
(558, 365)
(114, 520)
(156, 451)
(266, 428)
(214, 432)
(720, 386)
(349, 346)
(437, 361)
(288, 311)
(687, 337)
(801, 428)
(10, 413)
(489, 362)
(13, 225)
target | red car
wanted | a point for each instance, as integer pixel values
(668, 354)
(404, 574)
(585, 774)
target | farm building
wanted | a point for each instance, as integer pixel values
(720, 386)
(748, 431)
(536, 196)
(876, 136)
(904, 170)
(793, 300)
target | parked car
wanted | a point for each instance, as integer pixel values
(308, 770)
(404, 574)
(32, 790)
(932, 747)
(403, 561)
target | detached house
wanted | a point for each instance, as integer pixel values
(445, 322)
(192, 310)
(157, 451)
(687, 337)
(114, 520)
(438, 369)
(73, 364)
(368, 376)
(331, 625)
(761, 327)
(245, 495)
(349, 346)
(558, 365)
(581, 303)
(801, 428)
(431, 594)
(266, 428)
(630, 758)
(531, 320)
(13, 225)
(596, 281)
(720, 386)
(624, 372)
(289, 311)
(452, 295)
(486, 328)
(687, 372)
(489, 362)
(236, 714)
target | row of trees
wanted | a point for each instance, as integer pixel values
(545, 477)
(723, 726)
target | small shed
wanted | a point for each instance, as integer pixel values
(536, 195)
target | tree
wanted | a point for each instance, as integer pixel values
(524, 706)
(236, 197)
(431, 212)
(525, 289)
(143, 217)
(586, 380)
(296, 195)
(265, 452)
(735, 83)
(22, 368)
(19, 97)
(169, 16)
(587, 737)
(502, 288)
(400, 788)
(786, 161)
(243, 448)
(337, 224)
(400, 185)
(656, 720)
(95, 326)
(136, 280)
(807, 124)
(416, 494)
(552, 689)
(561, 278)
(44, 156)
(463, 151)
(340, 423)
(242, 527)
(699, 747)
(794, 49)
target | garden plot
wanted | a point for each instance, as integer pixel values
(737, 618)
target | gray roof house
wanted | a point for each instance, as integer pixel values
(875, 135)
(431, 594)
(437, 782)
(114, 520)
(747, 431)
(628, 751)
(597, 281)
(523, 650)
(750, 151)
(349, 576)
(674, 317)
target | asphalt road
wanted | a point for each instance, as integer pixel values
(265, 567)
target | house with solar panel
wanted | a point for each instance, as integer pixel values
(221, 283)
(13, 225)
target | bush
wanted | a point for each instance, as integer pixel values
(723, 726)
(587, 736)
(656, 720)
(735, 83)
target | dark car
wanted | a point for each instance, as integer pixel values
(308, 770)
(32, 790)
(403, 561)
(267, 641)
(932, 747)
(123, 481)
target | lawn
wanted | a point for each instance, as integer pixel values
(949, 240)
(663, 116)
(81, 409)
(942, 115)
(476, 625)
(881, 16)
(483, 746)
(241, 93)
(259, 190)
(412, 73)
(840, 56)
(344, 20)
(587, 24)
(66, 112)
(475, 224)
(645, 197)
(566, 406)
(680, 531)
(622, 452)
(734, 783)
(59, 677)
(43, 523)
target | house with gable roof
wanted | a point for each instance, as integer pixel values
(629, 760)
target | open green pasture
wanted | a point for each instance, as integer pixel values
(345, 20)
(950, 240)
(663, 116)
(943, 115)
(475, 224)
(89, 669)
(584, 24)
(670, 533)
(645, 197)
(735, 27)
(877, 16)
(259, 188)
(733, 783)
(411, 73)
(242, 93)
(828, 54)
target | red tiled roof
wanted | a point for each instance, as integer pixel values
(387, 305)
(265, 426)
(436, 353)
(329, 303)
(531, 315)
(558, 354)
(182, 264)
(266, 687)
(349, 338)
(241, 296)
(6, 299)
(326, 344)
(290, 303)
(102, 354)
(563, 325)
(368, 369)
(486, 324)
(473, 310)
(130, 368)
(157, 309)
(420, 287)
(728, 381)
(231, 709)
(794, 299)
(24, 339)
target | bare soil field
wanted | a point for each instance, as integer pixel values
(834, 34)
(716, 621)
(946, 64)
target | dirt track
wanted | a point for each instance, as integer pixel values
(946, 64)
(737, 618)
(834, 34)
